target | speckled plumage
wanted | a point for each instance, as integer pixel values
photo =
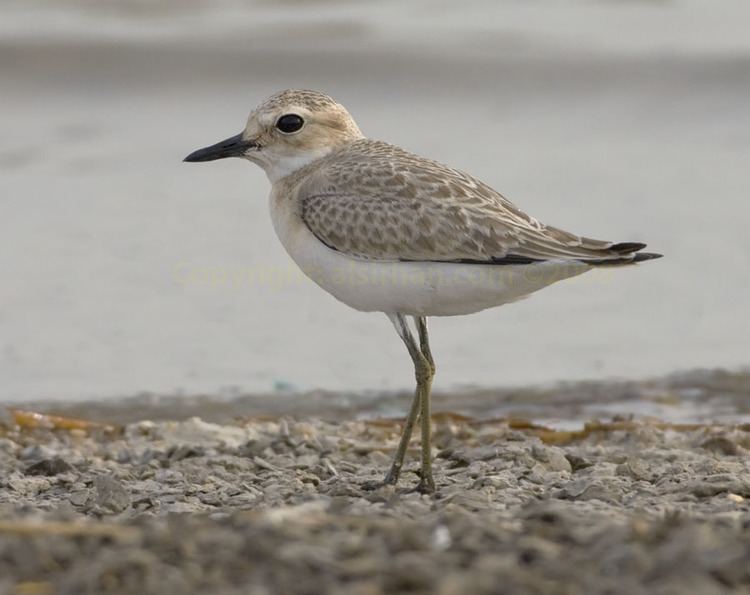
(383, 230)
(373, 200)
(312, 100)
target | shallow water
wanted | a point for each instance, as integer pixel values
(124, 270)
(699, 397)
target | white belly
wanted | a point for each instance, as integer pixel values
(412, 288)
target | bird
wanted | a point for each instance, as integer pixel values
(386, 230)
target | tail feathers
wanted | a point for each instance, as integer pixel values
(611, 255)
(627, 247)
(641, 256)
(629, 252)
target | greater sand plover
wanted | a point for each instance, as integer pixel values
(384, 230)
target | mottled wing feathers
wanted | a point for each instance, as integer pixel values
(375, 201)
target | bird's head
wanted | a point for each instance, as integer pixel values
(287, 131)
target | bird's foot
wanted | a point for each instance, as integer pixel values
(423, 487)
(426, 485)
(371, 486)
(390, 479)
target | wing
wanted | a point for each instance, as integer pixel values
(376, 201)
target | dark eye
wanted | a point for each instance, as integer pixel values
(289, 123)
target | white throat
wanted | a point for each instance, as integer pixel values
(280, 166)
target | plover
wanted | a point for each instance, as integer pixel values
(384, 230)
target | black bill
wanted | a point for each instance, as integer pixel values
(234, 146)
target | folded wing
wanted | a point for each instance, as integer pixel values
(379, 202)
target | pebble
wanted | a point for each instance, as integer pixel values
(278, 507)
(53, 466)
(111, 495)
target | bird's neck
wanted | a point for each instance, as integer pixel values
(279, 166)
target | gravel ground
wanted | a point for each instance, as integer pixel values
(276, 506)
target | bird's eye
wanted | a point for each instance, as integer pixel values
(289, 123)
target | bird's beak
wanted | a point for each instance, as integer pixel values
(235, 146)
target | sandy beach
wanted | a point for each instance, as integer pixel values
(246, 502)
(277, 506)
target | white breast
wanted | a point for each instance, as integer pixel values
(412, 288)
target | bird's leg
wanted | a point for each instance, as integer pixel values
(391, 478)
(423, 371)
(394, 472)
(402, 328)
(424, 340)
(425, 374)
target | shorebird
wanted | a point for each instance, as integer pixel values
(384, 230)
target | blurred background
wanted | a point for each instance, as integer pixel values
(124, 270)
